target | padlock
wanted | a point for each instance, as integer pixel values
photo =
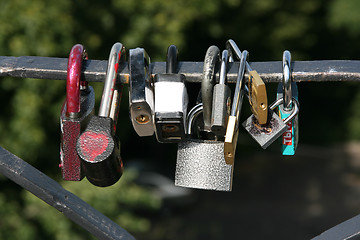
(255, 87)
(257, 96)
(200, 163)
(171, 101)
(75, 114)
(266, 134)
(221, 101)
(200, 160)
(97, 146)
(141, 93)
(232, 129)
(211, 61)
(287, 90)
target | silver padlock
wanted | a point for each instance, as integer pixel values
(287, 89)
(171, 101)
(201, 163)
(141, 93)
(266, 134)
(221, 101)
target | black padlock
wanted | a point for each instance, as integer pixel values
(97, 146)
(171, 101)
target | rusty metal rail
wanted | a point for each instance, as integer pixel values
(89, 218)
(94, 70)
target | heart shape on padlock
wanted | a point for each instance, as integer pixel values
(93, 144)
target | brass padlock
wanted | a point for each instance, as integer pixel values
(232, 130)
(257, 96)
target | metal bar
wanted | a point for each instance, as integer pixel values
(348, 230)
(95, 70)
(56, 196)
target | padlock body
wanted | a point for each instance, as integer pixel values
(71, 127)
(141, 95)
(171, 101)
(201, 164)
(290, 138)
(220, 109)
(258, 97)
(264, 135)
(99, 152)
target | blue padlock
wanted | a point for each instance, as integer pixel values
(288, 90)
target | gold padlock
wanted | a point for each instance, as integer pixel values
(257, 96)
(232, 130)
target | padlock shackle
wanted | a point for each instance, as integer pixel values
(232, 48)
(212, 58)
(192, 116)
(239, 88)
(76, 57)
(287, 92)
(117, 53)
(171, 59)
(223, 67)
(294, 111)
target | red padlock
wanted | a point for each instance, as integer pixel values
(98, 146)
(75, 114)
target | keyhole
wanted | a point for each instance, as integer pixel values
(142, 119)
(262, 106)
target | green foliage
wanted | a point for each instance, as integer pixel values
(38, 28)
(117, 202)
(37, 220)
(345, 15)
(12, 224)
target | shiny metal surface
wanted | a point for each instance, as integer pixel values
(295, 110)
(223, 68)
(141, 93)
(193, 114)
(287, 93)
(117, 51)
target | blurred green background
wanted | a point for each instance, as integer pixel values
(29, 119)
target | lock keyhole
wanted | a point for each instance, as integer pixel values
(170, 128)
(142, 119)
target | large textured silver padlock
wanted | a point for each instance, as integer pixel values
(201, 163)
(264, 135)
